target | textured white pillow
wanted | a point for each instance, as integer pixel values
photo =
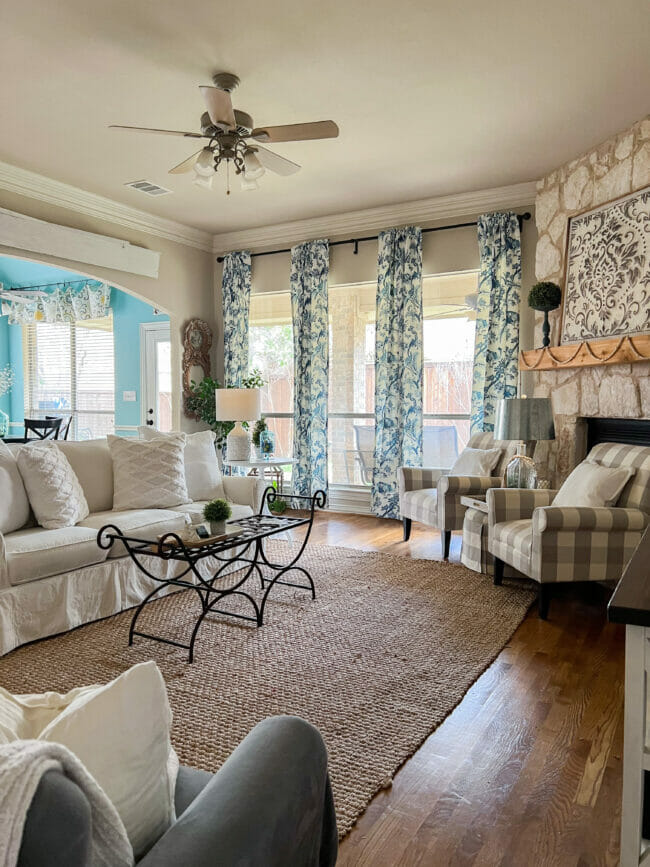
(14, 505)
(148, 475)
(593, 485)
(202, 473)
(120, 732)
(476, 462)
(55, 494)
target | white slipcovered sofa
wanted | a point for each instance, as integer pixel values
(54, 580)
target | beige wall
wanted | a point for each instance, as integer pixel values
(452, 250)
(183, 288)
(616, 167)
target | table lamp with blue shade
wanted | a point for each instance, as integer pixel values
(527, 419)
(238, 405)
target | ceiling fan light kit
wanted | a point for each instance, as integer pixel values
(229, 130)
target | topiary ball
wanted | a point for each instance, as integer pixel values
(217, 510)
(545, 296)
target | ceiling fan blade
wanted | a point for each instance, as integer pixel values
(275, 163)
(186, 165)
(158, 131)
(219, 105)
(296, 131)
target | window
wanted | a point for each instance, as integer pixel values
(69, 370)
(448, 342)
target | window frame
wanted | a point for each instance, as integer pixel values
(30, 350)
(356, 489)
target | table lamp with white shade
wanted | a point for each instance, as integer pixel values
(238, 405)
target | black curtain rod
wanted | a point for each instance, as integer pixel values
(357, 241)
(47, 285)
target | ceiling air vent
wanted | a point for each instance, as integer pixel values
(149, 188)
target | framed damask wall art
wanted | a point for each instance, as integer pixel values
(607, 277)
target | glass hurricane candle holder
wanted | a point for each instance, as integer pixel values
(267, 443)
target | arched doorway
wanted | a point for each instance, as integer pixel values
(98, 370)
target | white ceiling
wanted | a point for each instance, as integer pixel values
(431, 98)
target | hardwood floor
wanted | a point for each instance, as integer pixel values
(527, 770)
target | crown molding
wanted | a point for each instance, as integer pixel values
(44, 189)
(375, 219)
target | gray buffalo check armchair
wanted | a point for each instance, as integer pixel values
(555, 544)
(429, 495)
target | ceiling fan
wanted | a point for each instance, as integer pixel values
(229, 132)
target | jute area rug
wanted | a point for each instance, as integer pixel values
(376, 662)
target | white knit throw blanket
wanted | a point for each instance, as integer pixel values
(22, 764)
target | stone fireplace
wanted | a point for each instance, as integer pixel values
(618, 166)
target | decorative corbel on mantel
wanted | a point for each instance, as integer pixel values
(589, 353)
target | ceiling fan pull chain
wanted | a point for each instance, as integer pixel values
(227, 177)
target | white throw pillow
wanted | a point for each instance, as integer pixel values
(120, 732)
(148, 475)
(593, 485)
(55, 494)
(476, 462)
(202, 473)
(14, 505)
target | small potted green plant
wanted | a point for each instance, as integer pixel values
(216, 513)
(545, 296)
(260, 426)
(278, 507)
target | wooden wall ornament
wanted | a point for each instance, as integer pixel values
(197, 341)
(588, 353)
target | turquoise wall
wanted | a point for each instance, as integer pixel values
(16, 402)
(5, 399)
(11, 347)
(128, 313)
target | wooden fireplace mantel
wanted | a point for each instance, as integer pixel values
(589, 353)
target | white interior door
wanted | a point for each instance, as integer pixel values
(156, 388)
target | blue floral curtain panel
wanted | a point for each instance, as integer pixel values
(398, 364)
(236, 291)
(309, 273)
(496, 347)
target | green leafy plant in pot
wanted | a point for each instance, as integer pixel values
(278, 507)
(216, 513)
(545, 296)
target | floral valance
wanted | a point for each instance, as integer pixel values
(60, 305)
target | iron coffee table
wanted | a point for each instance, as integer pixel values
(245, 548)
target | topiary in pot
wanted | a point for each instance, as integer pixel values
(216, 513)
(545, 296)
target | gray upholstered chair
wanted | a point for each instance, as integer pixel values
(431, 496)
(555, 544)
(269, 805)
